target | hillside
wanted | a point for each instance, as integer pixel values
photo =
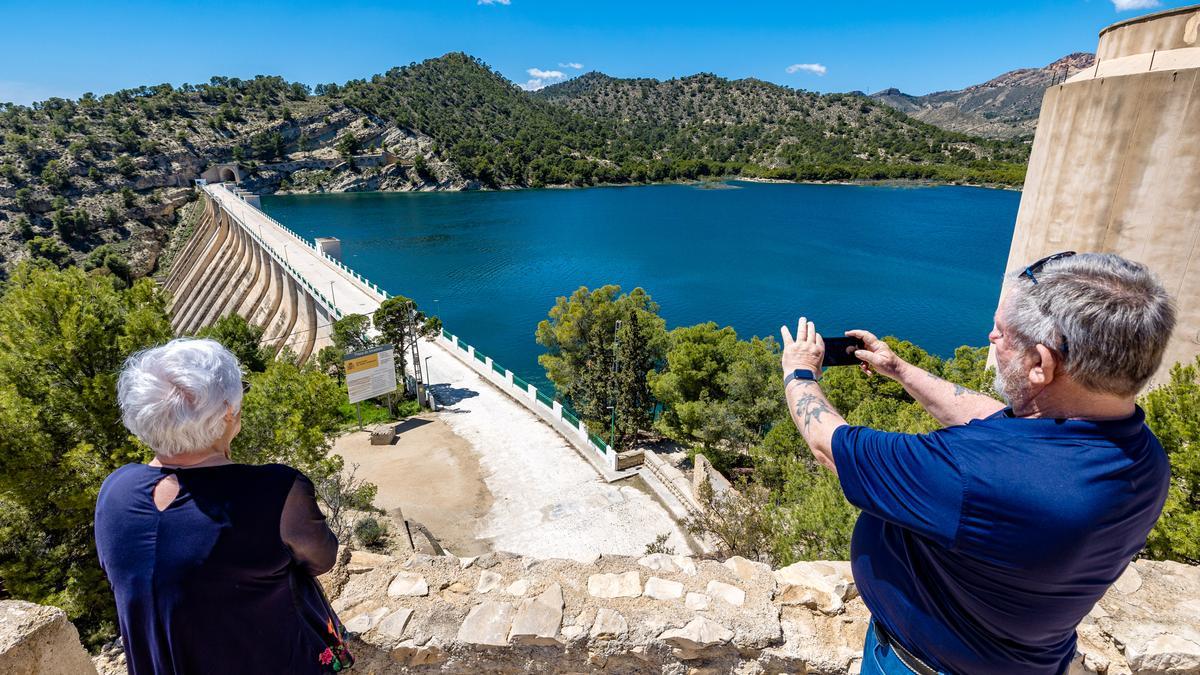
(1006, 106)
(98, 180)
(790, 133)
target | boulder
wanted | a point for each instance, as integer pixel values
(39, 640)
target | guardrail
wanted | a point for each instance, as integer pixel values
(562, 418)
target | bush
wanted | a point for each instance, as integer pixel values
(1173, 414)
(369, 532)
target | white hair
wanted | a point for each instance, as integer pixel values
(174, 397)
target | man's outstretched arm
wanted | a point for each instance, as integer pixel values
(812, 413)
(949, 403)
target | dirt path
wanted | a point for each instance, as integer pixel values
(431, 474)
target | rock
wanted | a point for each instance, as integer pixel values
(538, 618)
(662, 589)
(408, 584)
(40, 640)
(697, 601)
(686, 564)
(659, 562)
(394, 624)
(627, 585)
(487, 624)
(698, 634)
(518, 588)
(823, 586)
(363, 622)
(745, 569)
(726, 592)
(488, 582)
(464, 563)
(1164, 654)
(570, 633)
(1129, 581)
(608, 625)
(365, 561)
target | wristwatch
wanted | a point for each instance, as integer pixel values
(799, 374)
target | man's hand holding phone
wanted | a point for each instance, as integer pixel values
(806, 351)
(876, 355)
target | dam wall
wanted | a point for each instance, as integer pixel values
(226, 268)
(1115, 165)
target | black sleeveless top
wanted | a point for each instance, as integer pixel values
(208, 585)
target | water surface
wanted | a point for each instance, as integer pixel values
(921, 263)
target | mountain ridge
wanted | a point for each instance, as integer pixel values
(110, 171)
(1004, 107)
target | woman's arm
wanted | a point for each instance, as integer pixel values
(302, 528)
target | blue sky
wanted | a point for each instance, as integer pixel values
(67, 48)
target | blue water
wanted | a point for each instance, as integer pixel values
(922, 263)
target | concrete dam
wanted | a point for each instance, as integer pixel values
(1115, 166)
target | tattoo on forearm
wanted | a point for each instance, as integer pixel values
(959, 390)
(810, 407)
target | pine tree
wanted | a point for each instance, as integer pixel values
(635, 358)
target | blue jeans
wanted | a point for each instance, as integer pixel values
(879, 659)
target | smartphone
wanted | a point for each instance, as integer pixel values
(839, 351)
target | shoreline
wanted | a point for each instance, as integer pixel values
(883, 182)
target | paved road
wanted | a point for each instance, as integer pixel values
(547, 500)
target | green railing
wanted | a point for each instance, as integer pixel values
(546, 400)
(520, 383)
(497, 368)
(480, 357)
(570, 418)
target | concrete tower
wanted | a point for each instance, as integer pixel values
(1116, 162)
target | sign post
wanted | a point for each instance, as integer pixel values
(370, 373)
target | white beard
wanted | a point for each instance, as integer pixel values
(1011, 384)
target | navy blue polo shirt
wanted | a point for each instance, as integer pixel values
(982, 546)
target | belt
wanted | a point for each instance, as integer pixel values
(906, 657)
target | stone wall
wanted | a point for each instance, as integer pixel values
(500, 613)
(670, 614)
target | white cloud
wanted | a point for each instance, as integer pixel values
(1126, 5)
(493, 2)
(571, 64)
(546, 74)
(541, 78)
(809, 67)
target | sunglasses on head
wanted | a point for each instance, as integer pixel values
(1036, 268)
(245, 387)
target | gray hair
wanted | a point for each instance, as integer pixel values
(1107, 317)
(174, 397)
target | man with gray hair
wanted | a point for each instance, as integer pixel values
(981, 546)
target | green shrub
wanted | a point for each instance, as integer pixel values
(369, 532)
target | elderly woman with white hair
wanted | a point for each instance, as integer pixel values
(211, 561)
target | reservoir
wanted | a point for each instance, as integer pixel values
(921, 263)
